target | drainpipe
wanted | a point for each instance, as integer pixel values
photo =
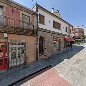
(37, 38)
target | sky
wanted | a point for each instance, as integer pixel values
(73, 11)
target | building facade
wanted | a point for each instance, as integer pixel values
(18, 30)
(27, 35)
(52, 30)
(78, 33)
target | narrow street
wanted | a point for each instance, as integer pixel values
(68, 69)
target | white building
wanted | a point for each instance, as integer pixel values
(51, 31)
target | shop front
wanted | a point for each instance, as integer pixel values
(17, 54)
(3, 56)
(68, 42)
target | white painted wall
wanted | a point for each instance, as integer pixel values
(49, 26)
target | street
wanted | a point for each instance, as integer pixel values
(68, 69)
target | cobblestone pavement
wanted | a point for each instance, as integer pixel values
(74, 69)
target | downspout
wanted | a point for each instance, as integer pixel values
(37, 38)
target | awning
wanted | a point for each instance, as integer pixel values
(69, 39)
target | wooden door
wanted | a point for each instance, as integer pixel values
(41, 45)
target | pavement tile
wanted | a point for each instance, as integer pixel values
(48, 78)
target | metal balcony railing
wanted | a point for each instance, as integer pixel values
(16, 25)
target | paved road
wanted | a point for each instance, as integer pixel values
(74, 69)
(68, 69)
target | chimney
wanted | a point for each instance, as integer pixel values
(58, 11)
(52, 10)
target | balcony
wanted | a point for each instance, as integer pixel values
(11, 25)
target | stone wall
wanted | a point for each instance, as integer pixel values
(30, 44)
(50, 46)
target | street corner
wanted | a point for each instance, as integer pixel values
(48, 78)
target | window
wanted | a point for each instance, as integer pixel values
(41, 19)
(12, 11)
(56, 25)
(1, 10)
(26, 18)
(66, 29)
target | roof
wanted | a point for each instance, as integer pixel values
(21, 7)
(53, 14)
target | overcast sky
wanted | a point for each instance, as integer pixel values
(73, 11)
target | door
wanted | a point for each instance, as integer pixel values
(59, 45)
(41, 45)
(3, 56)
(16, 54)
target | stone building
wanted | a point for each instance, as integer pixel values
(78, 33)
(18, 30)
(52, 30)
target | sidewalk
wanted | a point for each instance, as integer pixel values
(74, 69)
(11, 76)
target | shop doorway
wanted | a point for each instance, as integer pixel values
(41, 45)
(16, 54)
(3, 56)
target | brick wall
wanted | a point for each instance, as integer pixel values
(13, 14)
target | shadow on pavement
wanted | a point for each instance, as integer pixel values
(67, 54)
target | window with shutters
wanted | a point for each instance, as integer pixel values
(56, 25)
(41, 19)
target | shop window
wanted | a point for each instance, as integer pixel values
(41, 19)
(56, 25)
(13, 55)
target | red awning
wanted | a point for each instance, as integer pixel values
(69, 40)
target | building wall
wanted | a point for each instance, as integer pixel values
(14, 11)
(49, 26)
(79, 32)
(50, 45)
(13, 14)
(30, 45)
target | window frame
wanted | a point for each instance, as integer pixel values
(26, 16)
(56, 25)
(40, 20)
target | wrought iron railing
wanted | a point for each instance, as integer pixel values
(15, 25)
